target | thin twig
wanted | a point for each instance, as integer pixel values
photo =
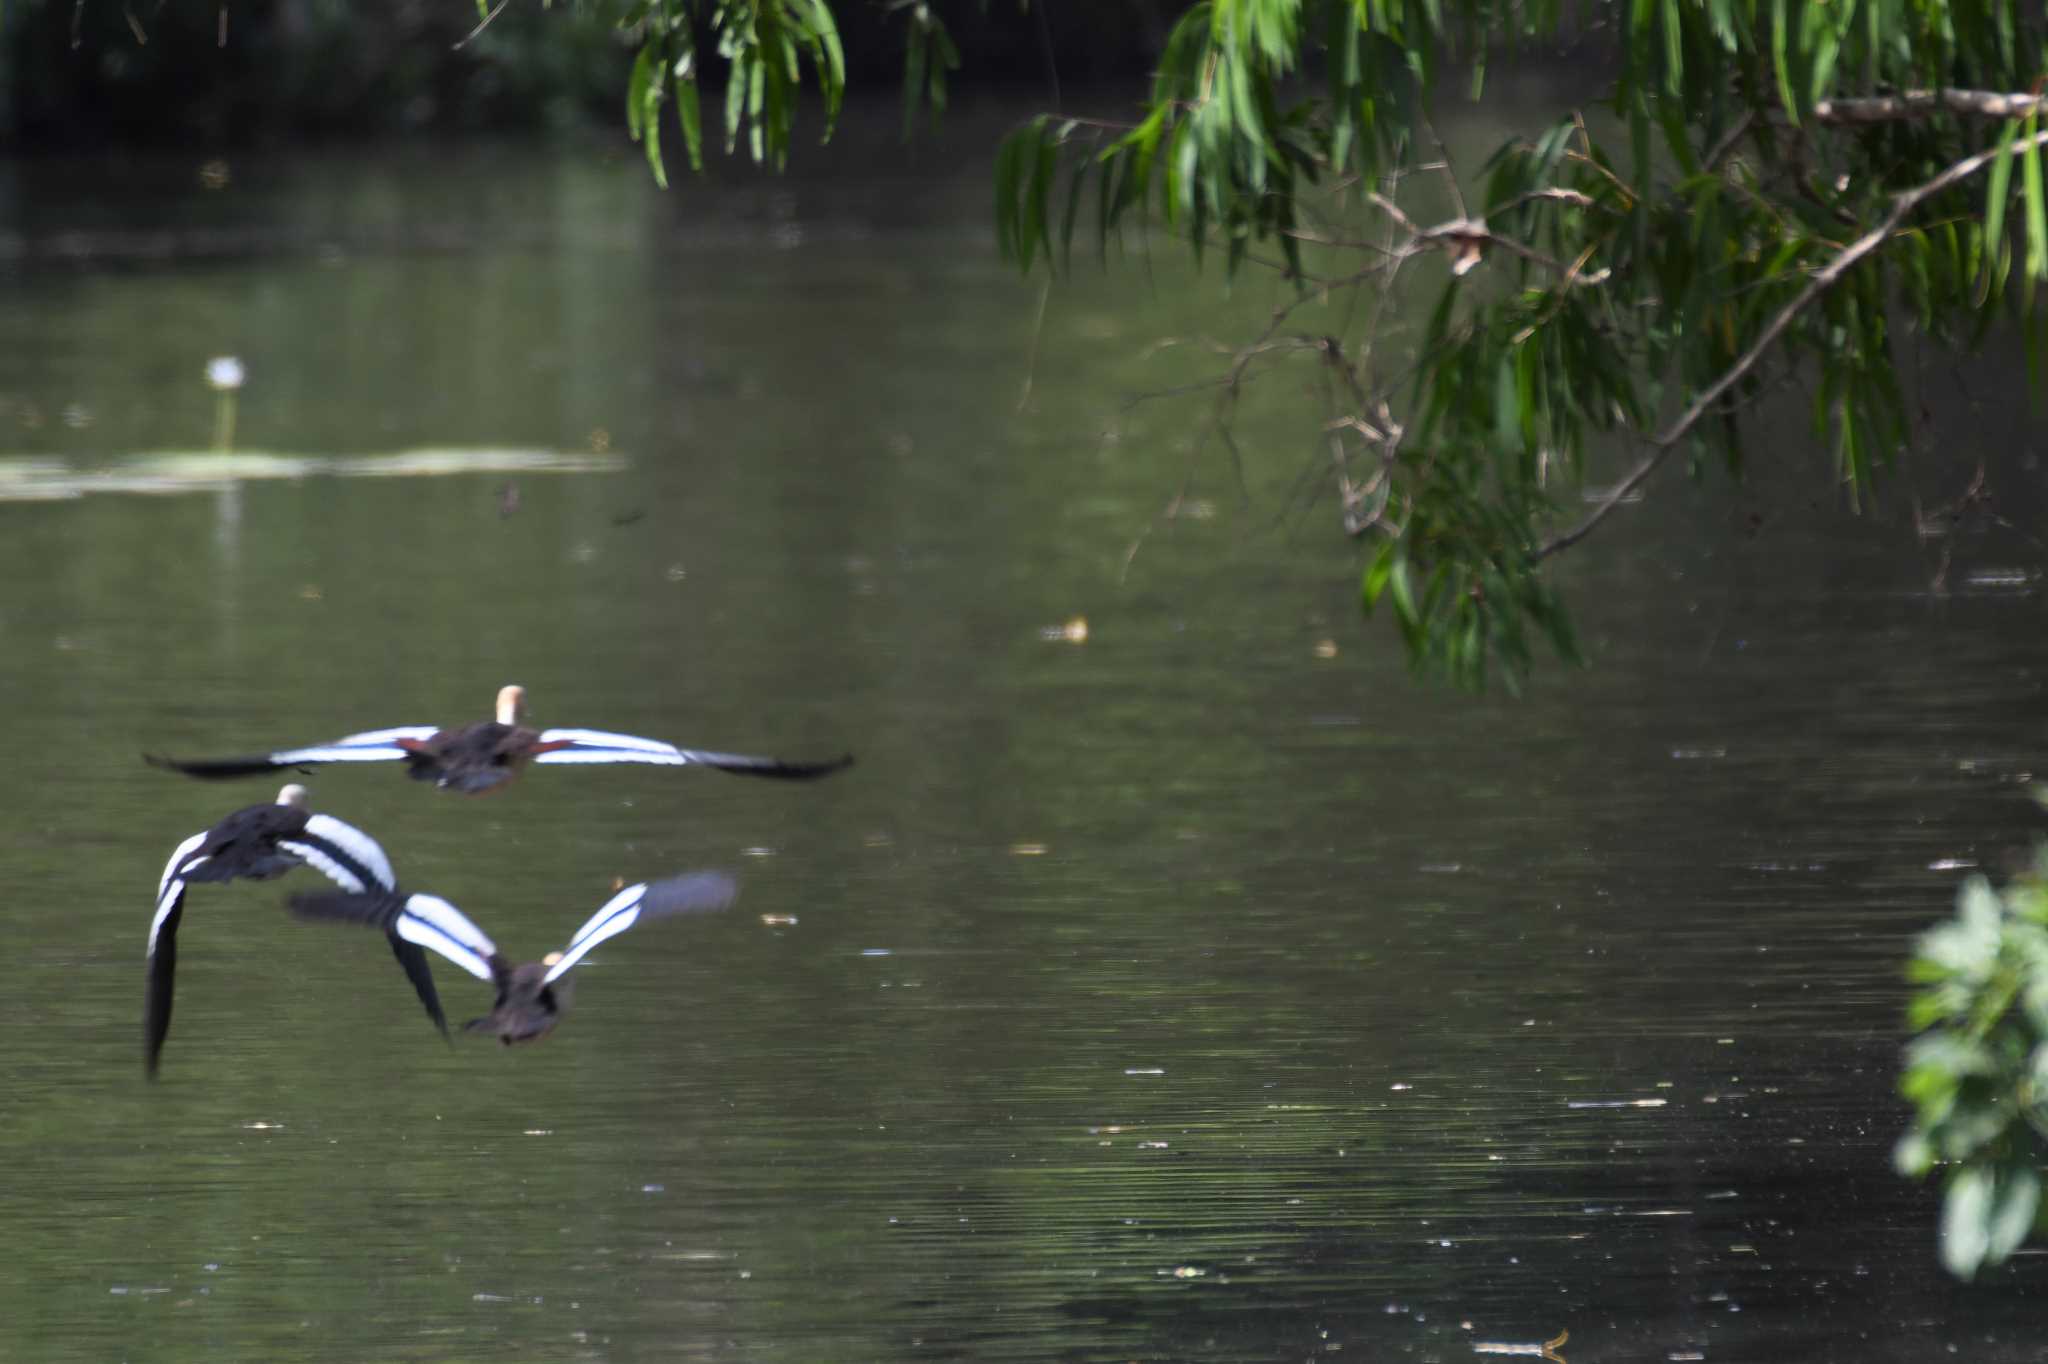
(482, 24)
(1665, 441)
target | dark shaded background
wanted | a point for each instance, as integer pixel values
(155, 72)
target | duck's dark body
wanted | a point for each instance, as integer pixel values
(475, 758)
(244, 845)
(527, 1008)
(259, 843)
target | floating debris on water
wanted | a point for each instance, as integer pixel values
(1616, 1103)
(1326, 648)
(1541, 1349)
(538, 1132)
(1028, 849)
(1187, 1272)
(1145, 1070)
(1074, 631)
(1951, 864)
(779, 920)
(757, 851)
(875, 951)
(259, 1125)
(1695, 754)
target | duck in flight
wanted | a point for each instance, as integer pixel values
(473, 759)
(258, 843)
(531, 998)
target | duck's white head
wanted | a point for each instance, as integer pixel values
(293, 795)
(511, 703)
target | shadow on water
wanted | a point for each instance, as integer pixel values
(1190, 985)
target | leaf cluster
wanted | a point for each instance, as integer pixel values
(764, 44)
(1640, 276)
(1977, 1075)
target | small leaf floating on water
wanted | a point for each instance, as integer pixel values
(1027, 850)
(1326, 648)
(779, 920)
(1073, 631)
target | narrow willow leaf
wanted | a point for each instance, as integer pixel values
(1781, 60)
(2037, 209)
(691, 116)
(1377, 574)
(1995, 197)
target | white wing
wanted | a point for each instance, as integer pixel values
(438, 926)
(620, 913)
(598, 746)
(601, 746)
(170, 888)
(352, 843)
(375, 745)
(692, 893)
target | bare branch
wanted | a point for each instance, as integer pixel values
(1924, 104)
(485, 23)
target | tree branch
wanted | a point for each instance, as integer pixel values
(1665, 441)
(1925, 103)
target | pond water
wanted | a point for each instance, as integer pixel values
(1173, 978)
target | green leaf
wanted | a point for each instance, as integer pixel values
(1966, 1221)
(1995, 197)
(1377, 575)
(2012, 1214)
(2037, 208)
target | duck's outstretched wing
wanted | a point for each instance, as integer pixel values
(424, 920)
(371, 746)
(342, 853)
(163, 953)
(598, 746)
(697, 892)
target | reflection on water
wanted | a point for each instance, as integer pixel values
(28, 479)
(1161, 985)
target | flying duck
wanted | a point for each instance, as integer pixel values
(261, 842)
(531, 998)
(481, 757)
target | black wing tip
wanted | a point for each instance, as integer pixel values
(788, 771)
(216, 769)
